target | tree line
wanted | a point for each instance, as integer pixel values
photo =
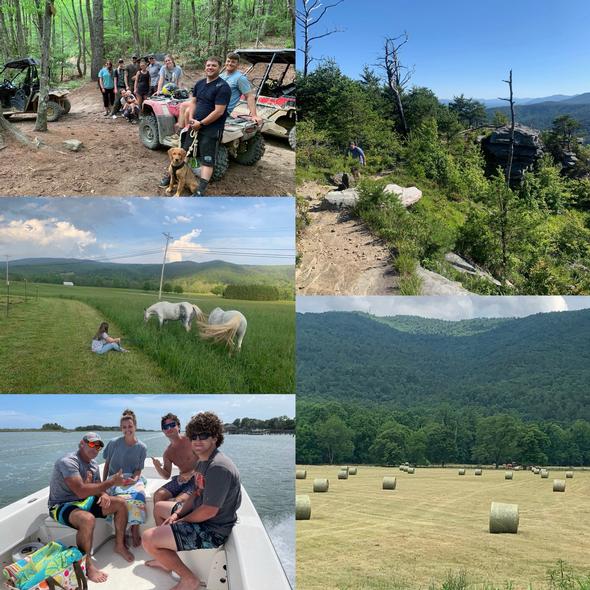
(340, 432)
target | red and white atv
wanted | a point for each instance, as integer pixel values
(242, 138)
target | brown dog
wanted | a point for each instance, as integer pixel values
(181, 175)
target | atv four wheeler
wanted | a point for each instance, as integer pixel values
(19, 91)
(275, 90)
(242, 140)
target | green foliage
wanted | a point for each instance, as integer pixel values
(178, 289)
(546, 187)
(252, 292)
(469, 111)
(54, 426)
(563, 577)
(334, 439)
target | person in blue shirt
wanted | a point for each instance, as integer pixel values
(357, 153)
(239, 85)
(106, 83)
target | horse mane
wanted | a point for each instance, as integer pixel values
(220, 332)
(201, 317)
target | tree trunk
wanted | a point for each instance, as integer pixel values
(228, 13)
(169, 33)
(21, 47)
(41, 123)
(176, 21)
(194, 17)
(84, 48)
(96, 28)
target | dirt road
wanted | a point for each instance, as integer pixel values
(113, 161)
(339, 256)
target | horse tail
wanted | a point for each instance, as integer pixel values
(201, 317)
(221, 332)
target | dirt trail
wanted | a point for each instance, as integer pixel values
(113, 161)
(339, 256)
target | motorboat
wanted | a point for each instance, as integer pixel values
(247, 561)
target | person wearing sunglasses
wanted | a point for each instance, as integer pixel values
(206, 519)
(179, 452)
(77, 497)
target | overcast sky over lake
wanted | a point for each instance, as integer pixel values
(32, 411)
(445, 308)
(466, 47)
(240, 230)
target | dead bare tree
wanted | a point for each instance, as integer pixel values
(309, 15)
(508, 172)
(397, 75)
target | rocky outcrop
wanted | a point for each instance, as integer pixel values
(462, 265)
(528, 148)
(407, 196)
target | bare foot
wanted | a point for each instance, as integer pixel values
(95, 575)
(156, 563)
(191, 583)
(135, 536)
(124, 553)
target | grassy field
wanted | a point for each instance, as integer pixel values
(435, 526)
(50, 334)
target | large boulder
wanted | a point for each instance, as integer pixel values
(338, 199)
(528, 148)
(407, 196)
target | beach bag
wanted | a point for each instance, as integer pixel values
(49, 568)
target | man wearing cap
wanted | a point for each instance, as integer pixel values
(132, 69)
(180, 453)
(206, 519)
(77, 498)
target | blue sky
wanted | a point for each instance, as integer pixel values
(32, 411)
(444, 308)
(240, 230)
(468, 47)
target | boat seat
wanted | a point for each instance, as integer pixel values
(208, 565)
(51, 530)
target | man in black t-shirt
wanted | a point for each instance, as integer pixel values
(208, 112)
(121, 84)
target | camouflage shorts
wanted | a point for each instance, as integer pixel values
(194, 535)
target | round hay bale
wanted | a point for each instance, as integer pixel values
(503, 518)
(508, 475)
(344, 468)
(462, 471)
(559, 485)
(352, 470)
(402, 468)
(302, 507)
(535, 471)
(301, 474)
(321, 485)
(478, 472)
(343, 475)
(544, 474)
(410, 470)
(389, 483)
(569, 474)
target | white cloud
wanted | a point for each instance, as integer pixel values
(185, 246)
(57, 237)
(446, 308)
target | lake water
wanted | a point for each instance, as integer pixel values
(266, 465)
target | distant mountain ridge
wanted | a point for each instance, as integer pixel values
(496, 102)
(215, 271)
(537, 366)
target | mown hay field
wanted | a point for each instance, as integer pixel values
(53, 330)
(434, 523)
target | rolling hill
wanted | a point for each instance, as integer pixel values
(90, 272)
(538, 366)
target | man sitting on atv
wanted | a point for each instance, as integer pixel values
(207, 112)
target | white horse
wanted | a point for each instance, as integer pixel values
(225, 326)
(185, 312)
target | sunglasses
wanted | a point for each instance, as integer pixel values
(168, 426)
(94, 443)
(200, 436)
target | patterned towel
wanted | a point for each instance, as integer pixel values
(134, 495)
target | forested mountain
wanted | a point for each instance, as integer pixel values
(538, 366)
(541, 115)
(90, 272)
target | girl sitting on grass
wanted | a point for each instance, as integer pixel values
(102, 342)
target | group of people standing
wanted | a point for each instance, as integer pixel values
(195, 509)
(127, 86)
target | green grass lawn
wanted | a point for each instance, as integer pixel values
(434, 526)
(189, 365)
(42, 353)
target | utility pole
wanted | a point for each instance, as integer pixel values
(7, 288)
(168, 238)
